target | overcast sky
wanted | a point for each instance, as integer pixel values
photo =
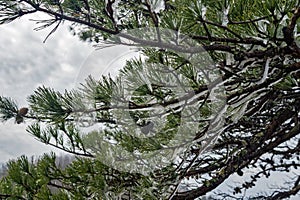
(61, 63)
(26, 63)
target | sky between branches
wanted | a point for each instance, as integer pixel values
(63, 62)
(26, 63)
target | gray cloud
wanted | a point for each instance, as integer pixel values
(61, 63)
(26, 63)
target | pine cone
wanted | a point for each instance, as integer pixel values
(21, 113)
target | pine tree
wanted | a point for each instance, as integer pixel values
(214, 93)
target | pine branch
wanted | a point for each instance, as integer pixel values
(8, 108)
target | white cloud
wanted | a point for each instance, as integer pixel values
(61, 63)
(15, 141)
(27, 62)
